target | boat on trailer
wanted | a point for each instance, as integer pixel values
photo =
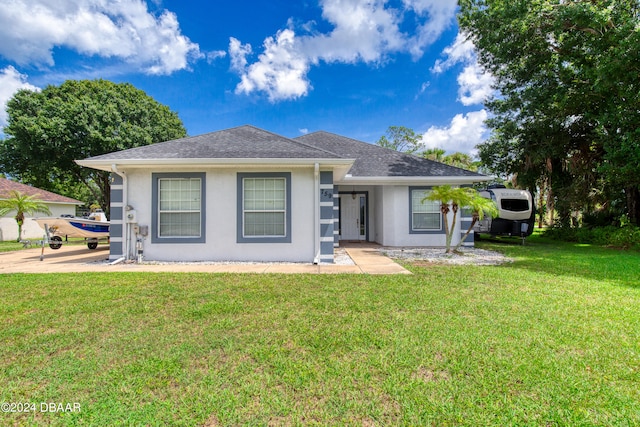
(92, 228)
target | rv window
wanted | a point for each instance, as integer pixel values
(515, 205)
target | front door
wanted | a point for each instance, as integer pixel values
(353, 217)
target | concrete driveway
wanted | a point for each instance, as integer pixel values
(77, 259)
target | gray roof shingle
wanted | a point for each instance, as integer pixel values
(249, 142)
(236, 143)
(375, 161)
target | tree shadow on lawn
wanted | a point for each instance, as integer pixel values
(621, 267)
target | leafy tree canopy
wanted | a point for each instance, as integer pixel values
(568, 114)
(50, 129)
(400, 138)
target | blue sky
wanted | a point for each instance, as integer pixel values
(352, 67)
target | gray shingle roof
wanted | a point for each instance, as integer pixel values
(249, 142)
(375, 161)
(236, 143)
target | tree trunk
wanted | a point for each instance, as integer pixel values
(551, 208)
(633, 204)
(20, 220)
(448, 234)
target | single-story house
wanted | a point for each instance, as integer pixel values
(57, 204)
(246, 194)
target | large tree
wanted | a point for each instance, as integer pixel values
(400, 138)
(48, 130)
(568, 114)
(404, 139)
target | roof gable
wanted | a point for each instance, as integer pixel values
(375, 161)
(6, 186)
(243, 142)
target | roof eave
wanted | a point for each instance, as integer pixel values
(412, 180)
(341, 166)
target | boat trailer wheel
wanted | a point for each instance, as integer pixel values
(92, 243)
(56, 242)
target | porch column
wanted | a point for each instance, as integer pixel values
(326, 217)
(116, 249)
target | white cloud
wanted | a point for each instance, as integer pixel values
(213, 55)
(462, 135)
(475, 84)
(461, 50)
(363, 31)
(10, 82)
(238, 53)
(441, 14)
(124, 29)
(423, 88)
(280, 71)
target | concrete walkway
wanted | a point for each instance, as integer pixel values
(78, 259)
(368, 258)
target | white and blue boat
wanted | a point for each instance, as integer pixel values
(92, 228)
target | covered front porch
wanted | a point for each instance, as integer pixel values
(392, 215)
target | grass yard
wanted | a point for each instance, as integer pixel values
(551, 339)
(9, 246)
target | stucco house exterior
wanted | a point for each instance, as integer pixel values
(57, 204)
(246, 194)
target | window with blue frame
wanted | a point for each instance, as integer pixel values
(425, 215)
(178, 208)
(264, 207)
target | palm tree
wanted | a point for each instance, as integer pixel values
(436, 154)
(22, 204)
(452, 199)
(480, 206)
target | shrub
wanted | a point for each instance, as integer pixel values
(626, 237)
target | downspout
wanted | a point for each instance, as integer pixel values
(126, 230)
(316, 213)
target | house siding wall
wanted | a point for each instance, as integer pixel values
(221, 220)
(395, 212)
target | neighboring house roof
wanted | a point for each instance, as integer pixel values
(6, 186)
(375, 161)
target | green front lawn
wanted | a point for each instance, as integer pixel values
(12, 245)
(551, 339)
(9, 246)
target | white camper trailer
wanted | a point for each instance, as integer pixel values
(516, 213)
